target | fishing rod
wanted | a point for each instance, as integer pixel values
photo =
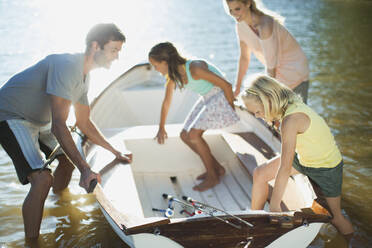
(210, 213)
(203, 206)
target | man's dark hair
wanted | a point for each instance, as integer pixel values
(102, 33)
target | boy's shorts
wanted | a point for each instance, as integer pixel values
(328, 179)
(24, 142)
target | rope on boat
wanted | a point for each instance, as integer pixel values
(214, 209)
(210, 213)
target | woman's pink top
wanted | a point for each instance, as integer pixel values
(281, 51)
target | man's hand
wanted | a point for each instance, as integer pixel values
(87, 175)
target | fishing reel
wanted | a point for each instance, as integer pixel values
(169, 212)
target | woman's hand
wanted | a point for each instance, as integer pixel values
(161, 136)
(237, 92)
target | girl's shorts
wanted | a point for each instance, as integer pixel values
(328, 179)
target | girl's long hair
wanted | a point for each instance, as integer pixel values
(167, 52)
(274, 96)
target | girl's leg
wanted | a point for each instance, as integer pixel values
(339, 221)
(199, 145)
(261, 177)
(218, 167)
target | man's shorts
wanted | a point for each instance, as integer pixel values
(24, 142)
(328, 179)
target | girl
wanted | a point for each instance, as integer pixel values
(262, 33)
(308, 147)
(215, 108)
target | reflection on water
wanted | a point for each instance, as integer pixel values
(335, 34)
(342, 91)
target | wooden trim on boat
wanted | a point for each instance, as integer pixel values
(257, 143)
(209, 232)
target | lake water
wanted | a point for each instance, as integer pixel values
(335, 35)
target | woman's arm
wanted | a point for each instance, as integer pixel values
(162, 134)
(199, 70)
(244, 59)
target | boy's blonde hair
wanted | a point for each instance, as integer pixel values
(274, 96)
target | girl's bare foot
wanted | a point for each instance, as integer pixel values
(209, 182)
(220, 171)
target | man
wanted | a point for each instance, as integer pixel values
(43, 94)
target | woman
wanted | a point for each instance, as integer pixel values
(262, 33)
(308, 147)
(215, 108)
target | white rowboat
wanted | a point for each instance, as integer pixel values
(128, 112)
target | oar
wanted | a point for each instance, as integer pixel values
(203, 205)
(170, 197)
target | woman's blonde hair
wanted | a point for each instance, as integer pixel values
(258, 8)
(274, 96)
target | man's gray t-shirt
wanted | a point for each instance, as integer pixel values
(26, 94)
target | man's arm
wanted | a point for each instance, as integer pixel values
(85, 124)
(60, 110)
